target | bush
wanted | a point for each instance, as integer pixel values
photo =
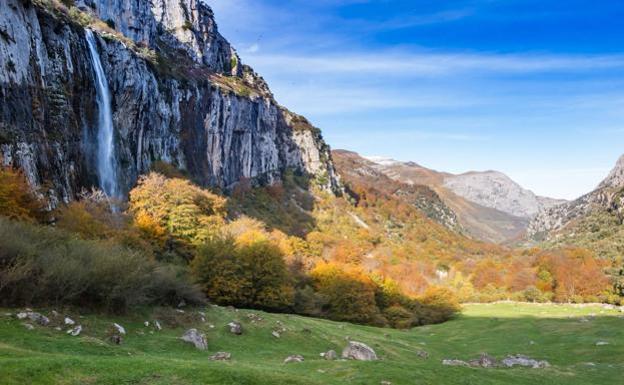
(349, 295)
(250, 274)
(46, 266)
(439, 304)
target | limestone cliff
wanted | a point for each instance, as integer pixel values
(179, 93)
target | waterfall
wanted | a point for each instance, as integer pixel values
(106, 165)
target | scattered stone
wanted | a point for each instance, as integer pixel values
(194, 337)
(484, 361)
(180, 311)
(422, 354)
(531, 342)
(454, 363)
(182, 303)
(146, 323)
(583, 319)
(275, 334)
(602, 343)
(120, 329)
(520, 360)
(211, 326)
(157, 325)
(75, 331)
(58, 329)
(34, 317)
(330, 355)
(220, 356)
(253, 317)
(116, 339)
(69, 321)
(235, 328)
(55, 313)
(359, 352)
(293, 358)
(386, 383)
(28, 326)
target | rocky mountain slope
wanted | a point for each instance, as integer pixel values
(594, 220)
(489, 205)
(354, 167)
(496, 190)
(179, 93)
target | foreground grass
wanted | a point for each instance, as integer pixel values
(553, 333)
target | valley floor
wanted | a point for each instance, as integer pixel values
(564, 335)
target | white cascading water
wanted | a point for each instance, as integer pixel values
(105, 133)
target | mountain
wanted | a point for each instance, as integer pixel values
(358, 170)
(160, 77)
(488, 205)
(594, 220)
(496, 190)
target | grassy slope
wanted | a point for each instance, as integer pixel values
(46, 356)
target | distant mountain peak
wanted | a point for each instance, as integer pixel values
(615, 177)
(381, 160)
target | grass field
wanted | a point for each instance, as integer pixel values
(554, 333)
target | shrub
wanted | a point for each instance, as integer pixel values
(246, 274)
(439, 304)
(349, 295)
(45, 266)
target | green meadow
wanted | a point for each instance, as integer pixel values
(564, 335)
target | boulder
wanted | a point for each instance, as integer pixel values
(293, 358)
(220, 356)
(34, 317)
(454, 363)
(116, 339)
(120, 329)
(330, 355)
(484, 361)
(359, 352)
(69, 321)
(520, 360)
(157, 325)
(235, 328)
(75, 331)
(275, 334)
(194, 337)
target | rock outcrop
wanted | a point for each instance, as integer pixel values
(359, 352)
(607, 198)
(179, 94)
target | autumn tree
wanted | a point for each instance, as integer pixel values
(16, 198)
(247, 273)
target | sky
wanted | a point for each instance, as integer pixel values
(532, 88)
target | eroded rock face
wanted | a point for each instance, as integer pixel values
(196, 338)
(220, 128)
(359, 352)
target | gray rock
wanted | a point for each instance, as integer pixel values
(422, 354)
(28, 326)
(75, 331)
(157, 325)
(34, 317)
(235, 328)
(275, 334)
(69, 322)
(602, 343)
(220, 356)
(294, 358)
(453, 362)
(330, 355)
(484, 361)
(116, 339)
(194, 337)
(524, 361)
(359, 352)
(120, 329)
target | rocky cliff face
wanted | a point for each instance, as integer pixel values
(607, 198)
(179, 94)
(496, 190)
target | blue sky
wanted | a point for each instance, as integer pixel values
(533, 88)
